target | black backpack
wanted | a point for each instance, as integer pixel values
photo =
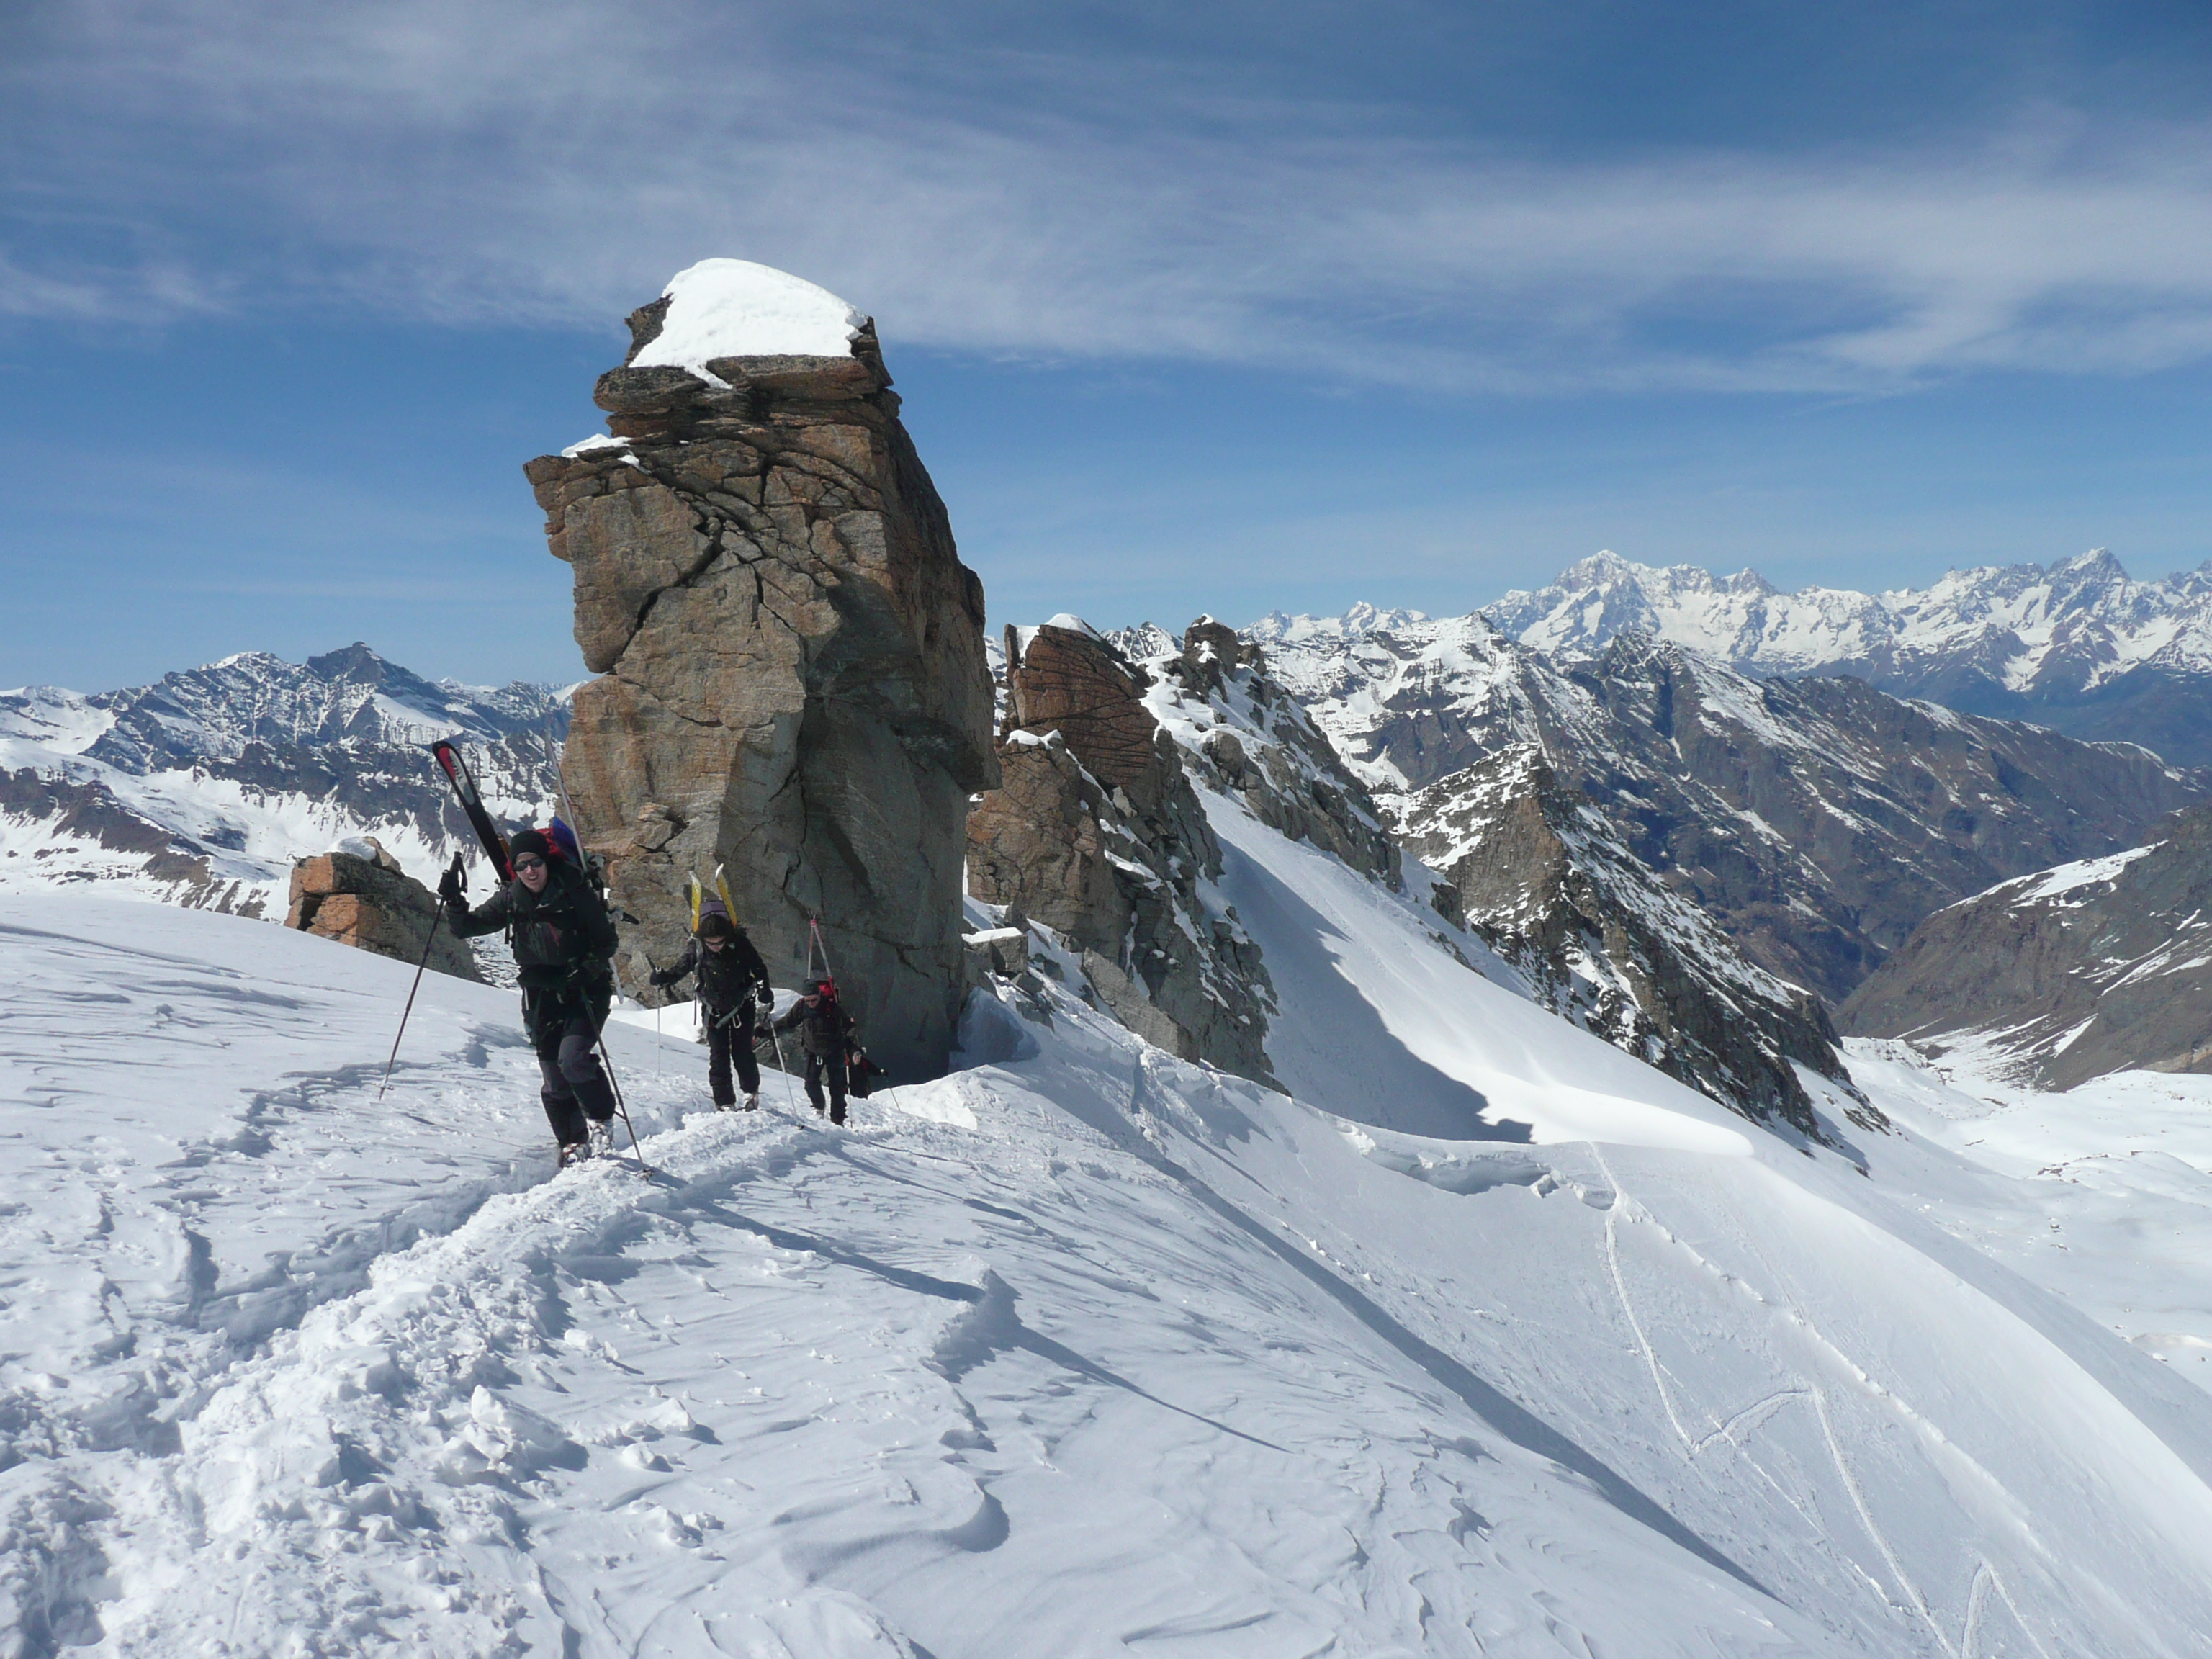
(860, 1073)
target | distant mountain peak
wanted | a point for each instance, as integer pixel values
(357, 663)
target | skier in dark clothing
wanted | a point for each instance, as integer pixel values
(825, 1031)
(732, 978)
(564, 947)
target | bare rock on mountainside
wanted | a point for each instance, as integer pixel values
(1243, 734)
(1095, 833)
(358, 895)
(1818, 821)
(792, 672)
(1545, 881)
(2098, 966)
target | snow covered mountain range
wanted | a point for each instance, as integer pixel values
(1817, 820)
(2077, 646)
(1482, 1336)
(203, 788)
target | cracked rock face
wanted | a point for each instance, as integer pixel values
(792, 674)
(1097, 835)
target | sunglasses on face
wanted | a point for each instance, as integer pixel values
(527, 862)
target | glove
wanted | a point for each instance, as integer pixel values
(452, 886)
(766, 997)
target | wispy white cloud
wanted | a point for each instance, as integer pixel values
(554, 162)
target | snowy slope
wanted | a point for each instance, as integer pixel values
(2103, 1192)
(1078, 1352)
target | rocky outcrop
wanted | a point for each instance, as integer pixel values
(2098, 966)
(1094, 833)
(358, 895)
(1542, 878)
(792, 674)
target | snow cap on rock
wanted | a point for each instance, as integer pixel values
(735, 309)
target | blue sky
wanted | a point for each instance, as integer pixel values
(1219, 307)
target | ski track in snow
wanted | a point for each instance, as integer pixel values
(1088, 1352)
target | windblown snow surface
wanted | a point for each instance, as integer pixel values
(1490, 1341)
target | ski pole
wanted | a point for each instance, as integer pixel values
(436, 916)
(790, 1098)
(644, 1168)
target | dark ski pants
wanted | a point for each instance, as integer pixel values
(817, 1066)
(729, 1040)
(575, 1087)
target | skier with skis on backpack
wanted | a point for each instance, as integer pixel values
(825, 1031)
(732, 978)
(564, 947)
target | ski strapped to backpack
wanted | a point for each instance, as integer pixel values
(700, 903)
(448, 757)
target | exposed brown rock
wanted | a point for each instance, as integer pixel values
(1069, 684)
(372, 904)
(1095, 833)
(794, 682)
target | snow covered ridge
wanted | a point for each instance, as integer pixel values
(1601, 940)
(203, 788)
(2077, 646)
(1078, 1352)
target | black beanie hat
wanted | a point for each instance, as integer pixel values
(715, 924)
(530, 841)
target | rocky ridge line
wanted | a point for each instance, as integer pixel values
(1096, 834)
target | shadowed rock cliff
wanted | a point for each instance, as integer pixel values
(793, 681)
(1097, 835)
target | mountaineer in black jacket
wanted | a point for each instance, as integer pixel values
(731, 979)
(564, 947)
(825, 1032)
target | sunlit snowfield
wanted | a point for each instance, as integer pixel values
(1078, 1351)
